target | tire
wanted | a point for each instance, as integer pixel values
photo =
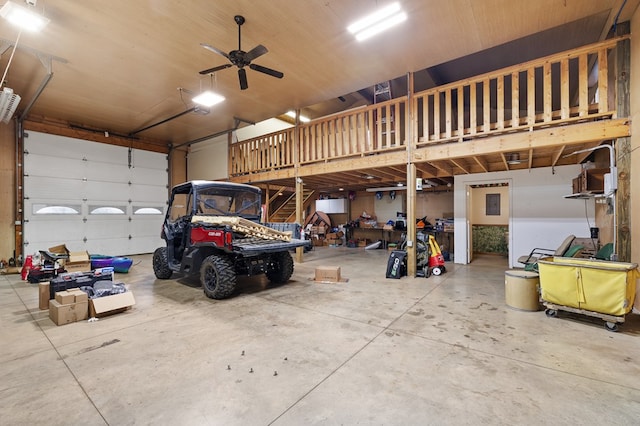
(280, 268)
(437, 270)
(217, 276)
(161, 264)
(611, 326)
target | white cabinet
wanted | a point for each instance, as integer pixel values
(337, 205)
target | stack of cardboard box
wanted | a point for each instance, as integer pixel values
(69, 306)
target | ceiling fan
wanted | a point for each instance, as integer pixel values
(241, 59)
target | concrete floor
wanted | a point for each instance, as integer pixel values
(414, 351)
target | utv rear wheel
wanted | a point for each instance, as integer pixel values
(161, 264)
(280, 268)
(217, 277)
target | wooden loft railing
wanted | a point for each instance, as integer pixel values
(564, 88)
(543, 92)
(267, 152)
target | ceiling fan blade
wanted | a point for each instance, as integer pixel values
(242, 75)
(214, 69)
(214, 50)
(257, 51)
(273, 73)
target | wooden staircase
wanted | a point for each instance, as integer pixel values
(286, 212)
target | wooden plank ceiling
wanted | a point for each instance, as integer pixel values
(122, 65)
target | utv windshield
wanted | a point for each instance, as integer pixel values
(217, 201)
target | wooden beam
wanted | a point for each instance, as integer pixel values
(504, 161)
(483, 164)
(458, 164)
(547, 137)
(63, 130)
(558, 155)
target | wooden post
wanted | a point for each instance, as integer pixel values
(299, 185)
(411, 182)
(623, 146)
(411, 220)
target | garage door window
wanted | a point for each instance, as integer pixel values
(54, 209)
(147, 210)
(106, 210)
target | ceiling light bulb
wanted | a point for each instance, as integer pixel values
(208, 98)
(23, 17)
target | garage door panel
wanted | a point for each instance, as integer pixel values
(148, 159)
(40, 235)
(146, 227)
(38, 188)
(54, 146)
(139, 246)
(104, 228)
(41, 165)
(113, 191)
(102, 172)
(148, 193)
(110, 246)
(106, 154)
(147, 176)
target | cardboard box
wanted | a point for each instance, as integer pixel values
(332, 236)
(64, 297)
(334, 241)
(43, 295)
(363, 243)
(109, 305)
(59, 249)
(79, 295)
(328, 273)
(79, 261)
(318, 242)
(65, 314)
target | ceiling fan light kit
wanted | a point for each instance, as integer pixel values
(241, 59)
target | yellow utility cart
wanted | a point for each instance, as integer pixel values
(598, 288)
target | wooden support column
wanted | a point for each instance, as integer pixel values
(267, 204)
(411, 182)
(623, 146)
(299, 202)
(299, 182)
(411, 220)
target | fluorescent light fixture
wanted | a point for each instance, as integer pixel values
(303, 119)
(208, 99)
(377, 22)
(23, 17)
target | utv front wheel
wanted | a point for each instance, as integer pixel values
(217, 277)
(161, 264)
(280, 267)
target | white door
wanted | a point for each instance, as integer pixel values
(101, 198)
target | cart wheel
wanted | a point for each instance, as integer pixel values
(437, 271)
(611, 326)
(551, 313)
(427, 272)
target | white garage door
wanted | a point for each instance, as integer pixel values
(91, 196)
